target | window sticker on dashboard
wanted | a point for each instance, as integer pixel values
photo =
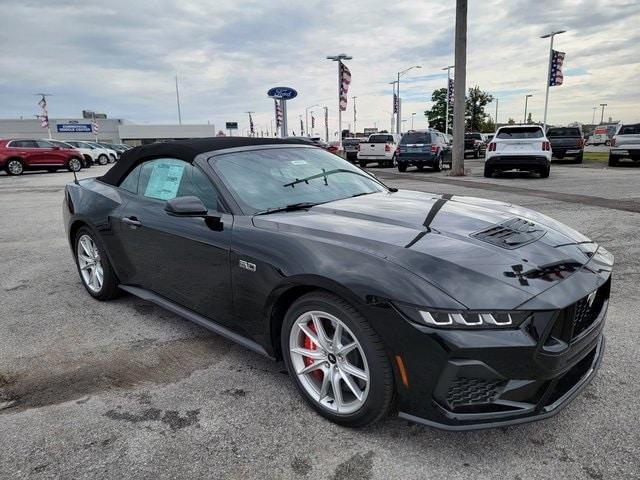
(164, 181)
(299, 162)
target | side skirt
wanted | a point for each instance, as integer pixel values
(195, 318)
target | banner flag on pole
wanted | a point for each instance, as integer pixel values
(450, 91)
(278, 113)
(251, 126)
(345, 81)
(313, 121)
(395, 103)
(557, 60)
(44, 115)
(301, 126)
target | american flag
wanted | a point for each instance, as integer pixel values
(345, 81)
(450, 98)
(251, 126)
(313, 121)
(301, 126)
(395, 103)
(557, 60)
(278, 113)
(94, 126)
(44, 115)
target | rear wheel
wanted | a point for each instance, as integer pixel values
(579, 158)
(103, 159)
(613, 160)
(402, 167)
(15, 167)
(544, 172)
(488, 171)
(362, 163)
(439, 165)
(87, 161)
(74, 165)
(337, 361)
(93, 265)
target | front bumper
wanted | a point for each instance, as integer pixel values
(520, 162)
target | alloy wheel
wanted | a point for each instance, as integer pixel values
(90, 264)
(329, 362)
(75, 165)
(15, 167)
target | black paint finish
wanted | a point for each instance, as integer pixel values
(376, 251)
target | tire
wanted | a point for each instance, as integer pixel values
(103, 159)
(369, 371)
(14, 167)
(579, 158)
(402, 167)
(74, 164)
(488, 171)
(439, 165)
(544, 172)
(87, 161)
(476, 154)
(607, 143)
(420, 167)
(362, 163)
(613, 160)
(109, 287)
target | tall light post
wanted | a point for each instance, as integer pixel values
(355, 129)
(593, 117)
(546, 95)
(306, 118)
(339, 58)
(497, 113)
(399, 101)
(602, 114)
(412, 115)
(526, 99)
(459, 88)
(446, 115)
(178, 101)
(395, 104)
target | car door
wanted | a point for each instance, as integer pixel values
(180, 258)
(446, 148)
(49, 154)
(27, 149)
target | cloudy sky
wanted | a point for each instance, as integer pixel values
(120, 57)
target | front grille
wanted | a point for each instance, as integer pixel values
(587, 310)
(471, 391)
(511, 234)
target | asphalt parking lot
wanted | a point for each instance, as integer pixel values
(124, 389)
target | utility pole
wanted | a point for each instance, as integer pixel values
(338, 59)
(178, 101)
(354, 116)
(546, 95)
(526, 98)
(602, 114)
(446, 115)
(459, 88)
(593, 117)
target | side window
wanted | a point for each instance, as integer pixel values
(43, 144)
(130, 183)
(167, 178)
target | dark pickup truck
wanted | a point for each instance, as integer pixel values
(566, 142)
(474, 143)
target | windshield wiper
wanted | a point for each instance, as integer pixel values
(289, 208)
(324, 175)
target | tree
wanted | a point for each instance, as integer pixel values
(529, 119)
(489, 126)
(476, 101)
(511, 121)
(437, 114)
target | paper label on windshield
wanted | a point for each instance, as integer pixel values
(299, 162)
(164, 181)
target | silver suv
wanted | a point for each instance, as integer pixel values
(625, 144)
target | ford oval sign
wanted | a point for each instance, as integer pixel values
(286, 93)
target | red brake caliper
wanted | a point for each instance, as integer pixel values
(309, 345)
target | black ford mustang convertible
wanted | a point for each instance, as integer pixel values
(453, 311)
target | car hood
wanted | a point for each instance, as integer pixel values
(450, 241)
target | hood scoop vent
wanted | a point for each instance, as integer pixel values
(510, 234)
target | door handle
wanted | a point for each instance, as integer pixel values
(132, 221)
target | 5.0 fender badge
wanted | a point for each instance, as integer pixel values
(247, 265)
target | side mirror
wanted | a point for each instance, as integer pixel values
(190, 206)
(55, 147)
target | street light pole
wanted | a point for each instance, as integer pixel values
(178, 101)
(593, 117)
(497, 113)
(446, 115)
(526, 98)
(355, 129)
(412, 119)
(399, 115)
(602, 114)
(306, 119)
(459, 89)
(546, 95)
(338, 59)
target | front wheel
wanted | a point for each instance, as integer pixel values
(336, 360)
(579, 158)
(439, 165)
(488, 171)
(402, 167)
(15, 167)
(103, 159)
(544, 172)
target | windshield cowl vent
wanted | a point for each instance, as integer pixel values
(511, 234)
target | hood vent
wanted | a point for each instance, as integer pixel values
(511, 234)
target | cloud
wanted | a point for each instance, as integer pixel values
(121, 56)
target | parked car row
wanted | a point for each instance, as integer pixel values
(18, 155)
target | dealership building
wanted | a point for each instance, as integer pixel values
(110, 130)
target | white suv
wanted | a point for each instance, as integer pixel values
(381, 148)
(521, 147)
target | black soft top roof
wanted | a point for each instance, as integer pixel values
(186, 150)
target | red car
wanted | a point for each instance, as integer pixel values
(17, 155)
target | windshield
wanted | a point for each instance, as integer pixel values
(380, 138)
(270, 179)
(415, 137)
(563, 132)
(509, 133)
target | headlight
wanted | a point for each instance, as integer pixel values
(466, 319)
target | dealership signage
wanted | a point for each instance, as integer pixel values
(232, 125)
(74, 127)
(285, 93)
